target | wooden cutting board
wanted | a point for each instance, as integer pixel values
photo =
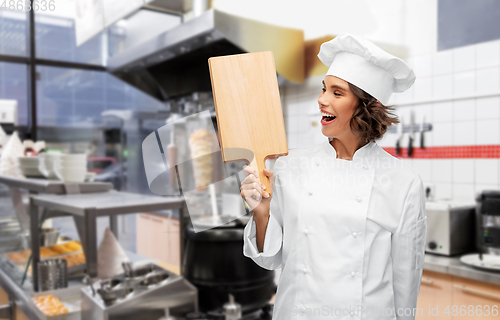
(248, 109)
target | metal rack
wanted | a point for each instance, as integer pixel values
(87, 208)
(35, 186)
(406, 128)
(53, 186)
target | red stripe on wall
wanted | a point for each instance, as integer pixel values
(449, 152)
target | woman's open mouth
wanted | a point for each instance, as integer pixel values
(327, 118)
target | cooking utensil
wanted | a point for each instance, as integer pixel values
(142, 271)
(127, 269)
(400, 135)
(109, 291)
(53, 274)
(411, 135)
(48, 236)
(88, 281)
(248, 108)
(422, 143)
(152, 279)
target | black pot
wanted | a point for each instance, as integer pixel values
(215, 264)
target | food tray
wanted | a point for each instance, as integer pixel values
(26, 253)
(71, 270)
(71, 299)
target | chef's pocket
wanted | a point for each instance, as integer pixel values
(420, 230)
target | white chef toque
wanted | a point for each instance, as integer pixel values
(365, 65)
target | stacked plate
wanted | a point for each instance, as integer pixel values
(71, 167)
(29, 166)
(47, 164)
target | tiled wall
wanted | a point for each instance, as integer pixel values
(458, 92)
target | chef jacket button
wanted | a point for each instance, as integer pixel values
(358, 199)
(304, 270)
(353, 274)
(354, 234)
(306, 231)
(318, 162)
(352, 313)
(310, 192)
(365, 167)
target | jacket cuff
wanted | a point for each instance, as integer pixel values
(272, 240)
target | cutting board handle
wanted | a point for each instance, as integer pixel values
(259, 163)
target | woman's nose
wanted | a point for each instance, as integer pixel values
(321, 102)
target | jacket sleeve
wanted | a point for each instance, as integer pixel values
(270, 257)
(408, 250)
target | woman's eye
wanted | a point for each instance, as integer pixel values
(337, 94)
(323, 89)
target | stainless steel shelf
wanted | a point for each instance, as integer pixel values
(453, 266)
(106, 203)
(86, 208)
(406, 128)
(53, 186)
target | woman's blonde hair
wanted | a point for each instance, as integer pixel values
(371, 118)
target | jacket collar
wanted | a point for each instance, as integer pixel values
(362, 153)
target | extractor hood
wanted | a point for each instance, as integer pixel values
(175, 62)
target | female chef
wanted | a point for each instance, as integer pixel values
(345, 220)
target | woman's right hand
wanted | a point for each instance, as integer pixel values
(254, 193)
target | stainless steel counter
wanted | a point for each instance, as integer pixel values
(86, 208)
(453, 266)
(10, 279)
(53, 186)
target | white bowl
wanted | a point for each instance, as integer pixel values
(71, 174)
(46, 167)
(31, 172)
(90, 176)
(58, 166)
(50, 155)
(29, 160)
(72, 163)
(29, 166)
(74, 157)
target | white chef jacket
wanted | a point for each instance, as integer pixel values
(348, 235)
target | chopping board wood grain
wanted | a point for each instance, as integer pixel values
(248, 109)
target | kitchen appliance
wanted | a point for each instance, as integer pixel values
(249, 115)
(450, 227)
(144, 295)
(215, 264)
(179, 55)
(488, 221)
